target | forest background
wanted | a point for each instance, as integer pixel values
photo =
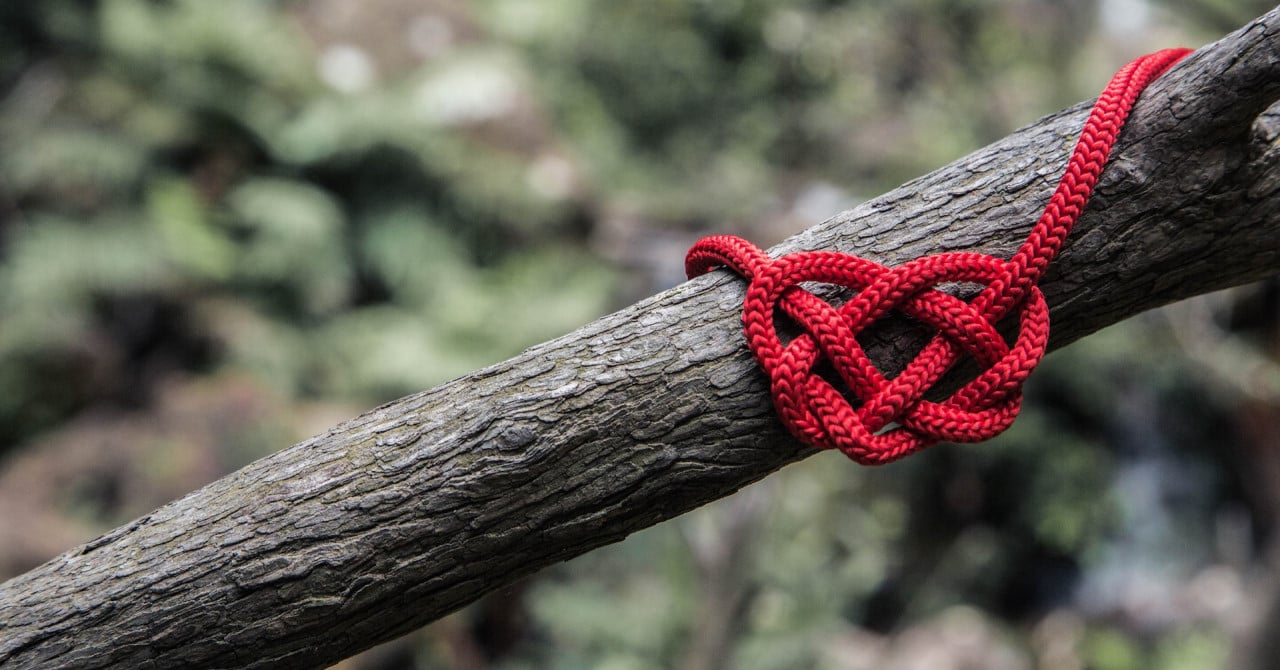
(226, 226)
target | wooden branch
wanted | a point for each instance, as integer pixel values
(420, 506)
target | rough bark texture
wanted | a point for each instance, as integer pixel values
(419, 506)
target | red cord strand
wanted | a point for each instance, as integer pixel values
(893, 419)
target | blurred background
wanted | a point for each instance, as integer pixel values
(226, 226)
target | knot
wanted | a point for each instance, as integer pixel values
(816, 412)
(892, 418)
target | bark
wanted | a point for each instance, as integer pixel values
(420, 506)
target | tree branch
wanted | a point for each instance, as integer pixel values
(420, 506)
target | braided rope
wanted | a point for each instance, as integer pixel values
(893, 419)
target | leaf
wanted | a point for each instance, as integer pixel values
(182, 222)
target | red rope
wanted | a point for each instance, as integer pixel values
(893, 420)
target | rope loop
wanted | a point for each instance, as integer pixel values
(892, 419)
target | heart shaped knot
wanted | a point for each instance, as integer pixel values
(892, 418)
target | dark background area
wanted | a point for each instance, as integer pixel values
(226, 226)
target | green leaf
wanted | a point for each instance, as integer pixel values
(181, 219)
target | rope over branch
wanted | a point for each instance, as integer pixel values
(817, 413)
(422, 505)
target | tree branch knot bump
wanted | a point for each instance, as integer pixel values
(893, 419)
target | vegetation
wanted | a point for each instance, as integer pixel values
(227, 225)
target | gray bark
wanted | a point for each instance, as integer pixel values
(418, 507)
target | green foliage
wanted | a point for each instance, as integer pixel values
(329, 243)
